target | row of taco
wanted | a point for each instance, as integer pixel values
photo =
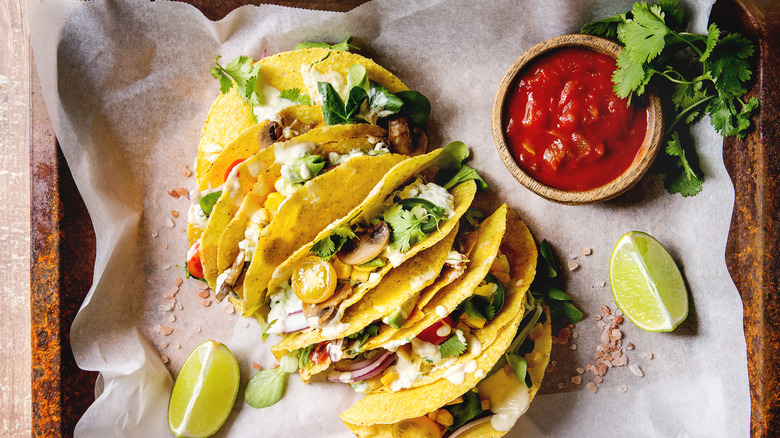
(320, 212)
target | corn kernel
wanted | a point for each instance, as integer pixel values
(374, 383)
(363, 268)
(536, 331)
(456, 401)
(444, 418)
(263, 216)
(273, 201)
(472, 322)
(432, 415)
(358, 276)
(534, 358)
(486, 290)
(502, 277)
(405, 351)
(486, 404)
(389, 376)
(343, 270)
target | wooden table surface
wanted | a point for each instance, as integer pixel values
(15, 104)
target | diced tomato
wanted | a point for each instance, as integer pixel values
(430, 334)
(194, 263)
(230, 168)
(320, 353)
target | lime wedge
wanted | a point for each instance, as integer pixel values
(647, 284)
(204, 392)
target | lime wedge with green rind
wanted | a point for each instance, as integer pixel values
(647, 284)
(204, 392)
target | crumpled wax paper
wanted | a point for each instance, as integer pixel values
(127, 88)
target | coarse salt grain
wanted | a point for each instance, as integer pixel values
(636, 370)
(182, 191)
(622, 388)
(165, 345)
(592, 386)
(204, 293)
(573, 346)
(172, 318)
(155, 233)
(205, 303)
(618, 319)
(621, 361)
(175, 213)
(186, 172)
(228, 309)
(649, 356)
(605, 310)
(179, 306)
(164, 358)
(598, 379)
(165, 245)
(573, 266)
(617, 334)
(170, 223)
(166, 307)
(575, 335)
(167, 267)
(179, 281)
(245, 324)
(165, 330)
(197, 329)
(174, 193)
(256, 366)
(586, 251)
(576, 380)
(178, 346)
(580, 371)
(630, 346)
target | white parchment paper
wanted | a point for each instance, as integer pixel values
(127, 88)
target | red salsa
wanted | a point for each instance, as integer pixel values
(566, 127)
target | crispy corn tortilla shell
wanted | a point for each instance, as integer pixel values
(229, 115)
(520, 247)
(488, 240)
(375, 414)
(260, 169)
(269, 281)
(463, 195)
(390, 407)
(399, 285)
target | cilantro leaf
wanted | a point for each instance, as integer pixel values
(295, 95)
(362, 336)
(673, 13)
(244, 72)
(606, 27)
(303, 355)
(688, 182)
(326, 247)
(729, 66)
(452, 347)
(343, 46)
(630, 77)
(406, 227)
(713, 35)
(645, 33)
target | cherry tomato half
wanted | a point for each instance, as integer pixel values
(230, 168)
(431, 333)
(420, 427)
(194, 263)
(314, 280)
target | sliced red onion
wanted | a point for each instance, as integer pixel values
(354, 366)
(461, 430)
(334, 350)
(368, 368)
(295, 322)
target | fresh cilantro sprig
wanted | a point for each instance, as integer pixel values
(242, 71)
(344, 46)
(326, 247)
(410, 222)
(361, 337)
(708, 73)
(452, 347)
(295, 95)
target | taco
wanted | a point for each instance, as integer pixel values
(402, 216)
(498, 369)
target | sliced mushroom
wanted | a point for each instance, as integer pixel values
(269, 134)
(297, 127)
(366, 246)
(420, 141)
(399, 135)
(233, 272)
(326, 310)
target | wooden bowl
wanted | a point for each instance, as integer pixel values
(643, 159)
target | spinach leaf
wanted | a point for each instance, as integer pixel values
(417, 106)
(333, 110)
(207, 202)
(266, 388)
(465, 411)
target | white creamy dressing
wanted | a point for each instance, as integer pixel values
(443, 331)
(255, 167)
(211, 151)
(271, 101)
(426, 350)
(311, 76)
(221, 280)
(283, 303)
(334, 351)
(392, 255)
(233, 185)
(195, 214)
(285, 187)
(475, 347)
(393, 345)
(441, 311)
(509, 399)
(289, 151)
(456, 374)
(335, 327)
(374, 277)
(430, 192)
(408, 373)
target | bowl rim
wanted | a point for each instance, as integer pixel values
(644, 158)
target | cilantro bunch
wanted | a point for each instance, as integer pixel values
(708, 74)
